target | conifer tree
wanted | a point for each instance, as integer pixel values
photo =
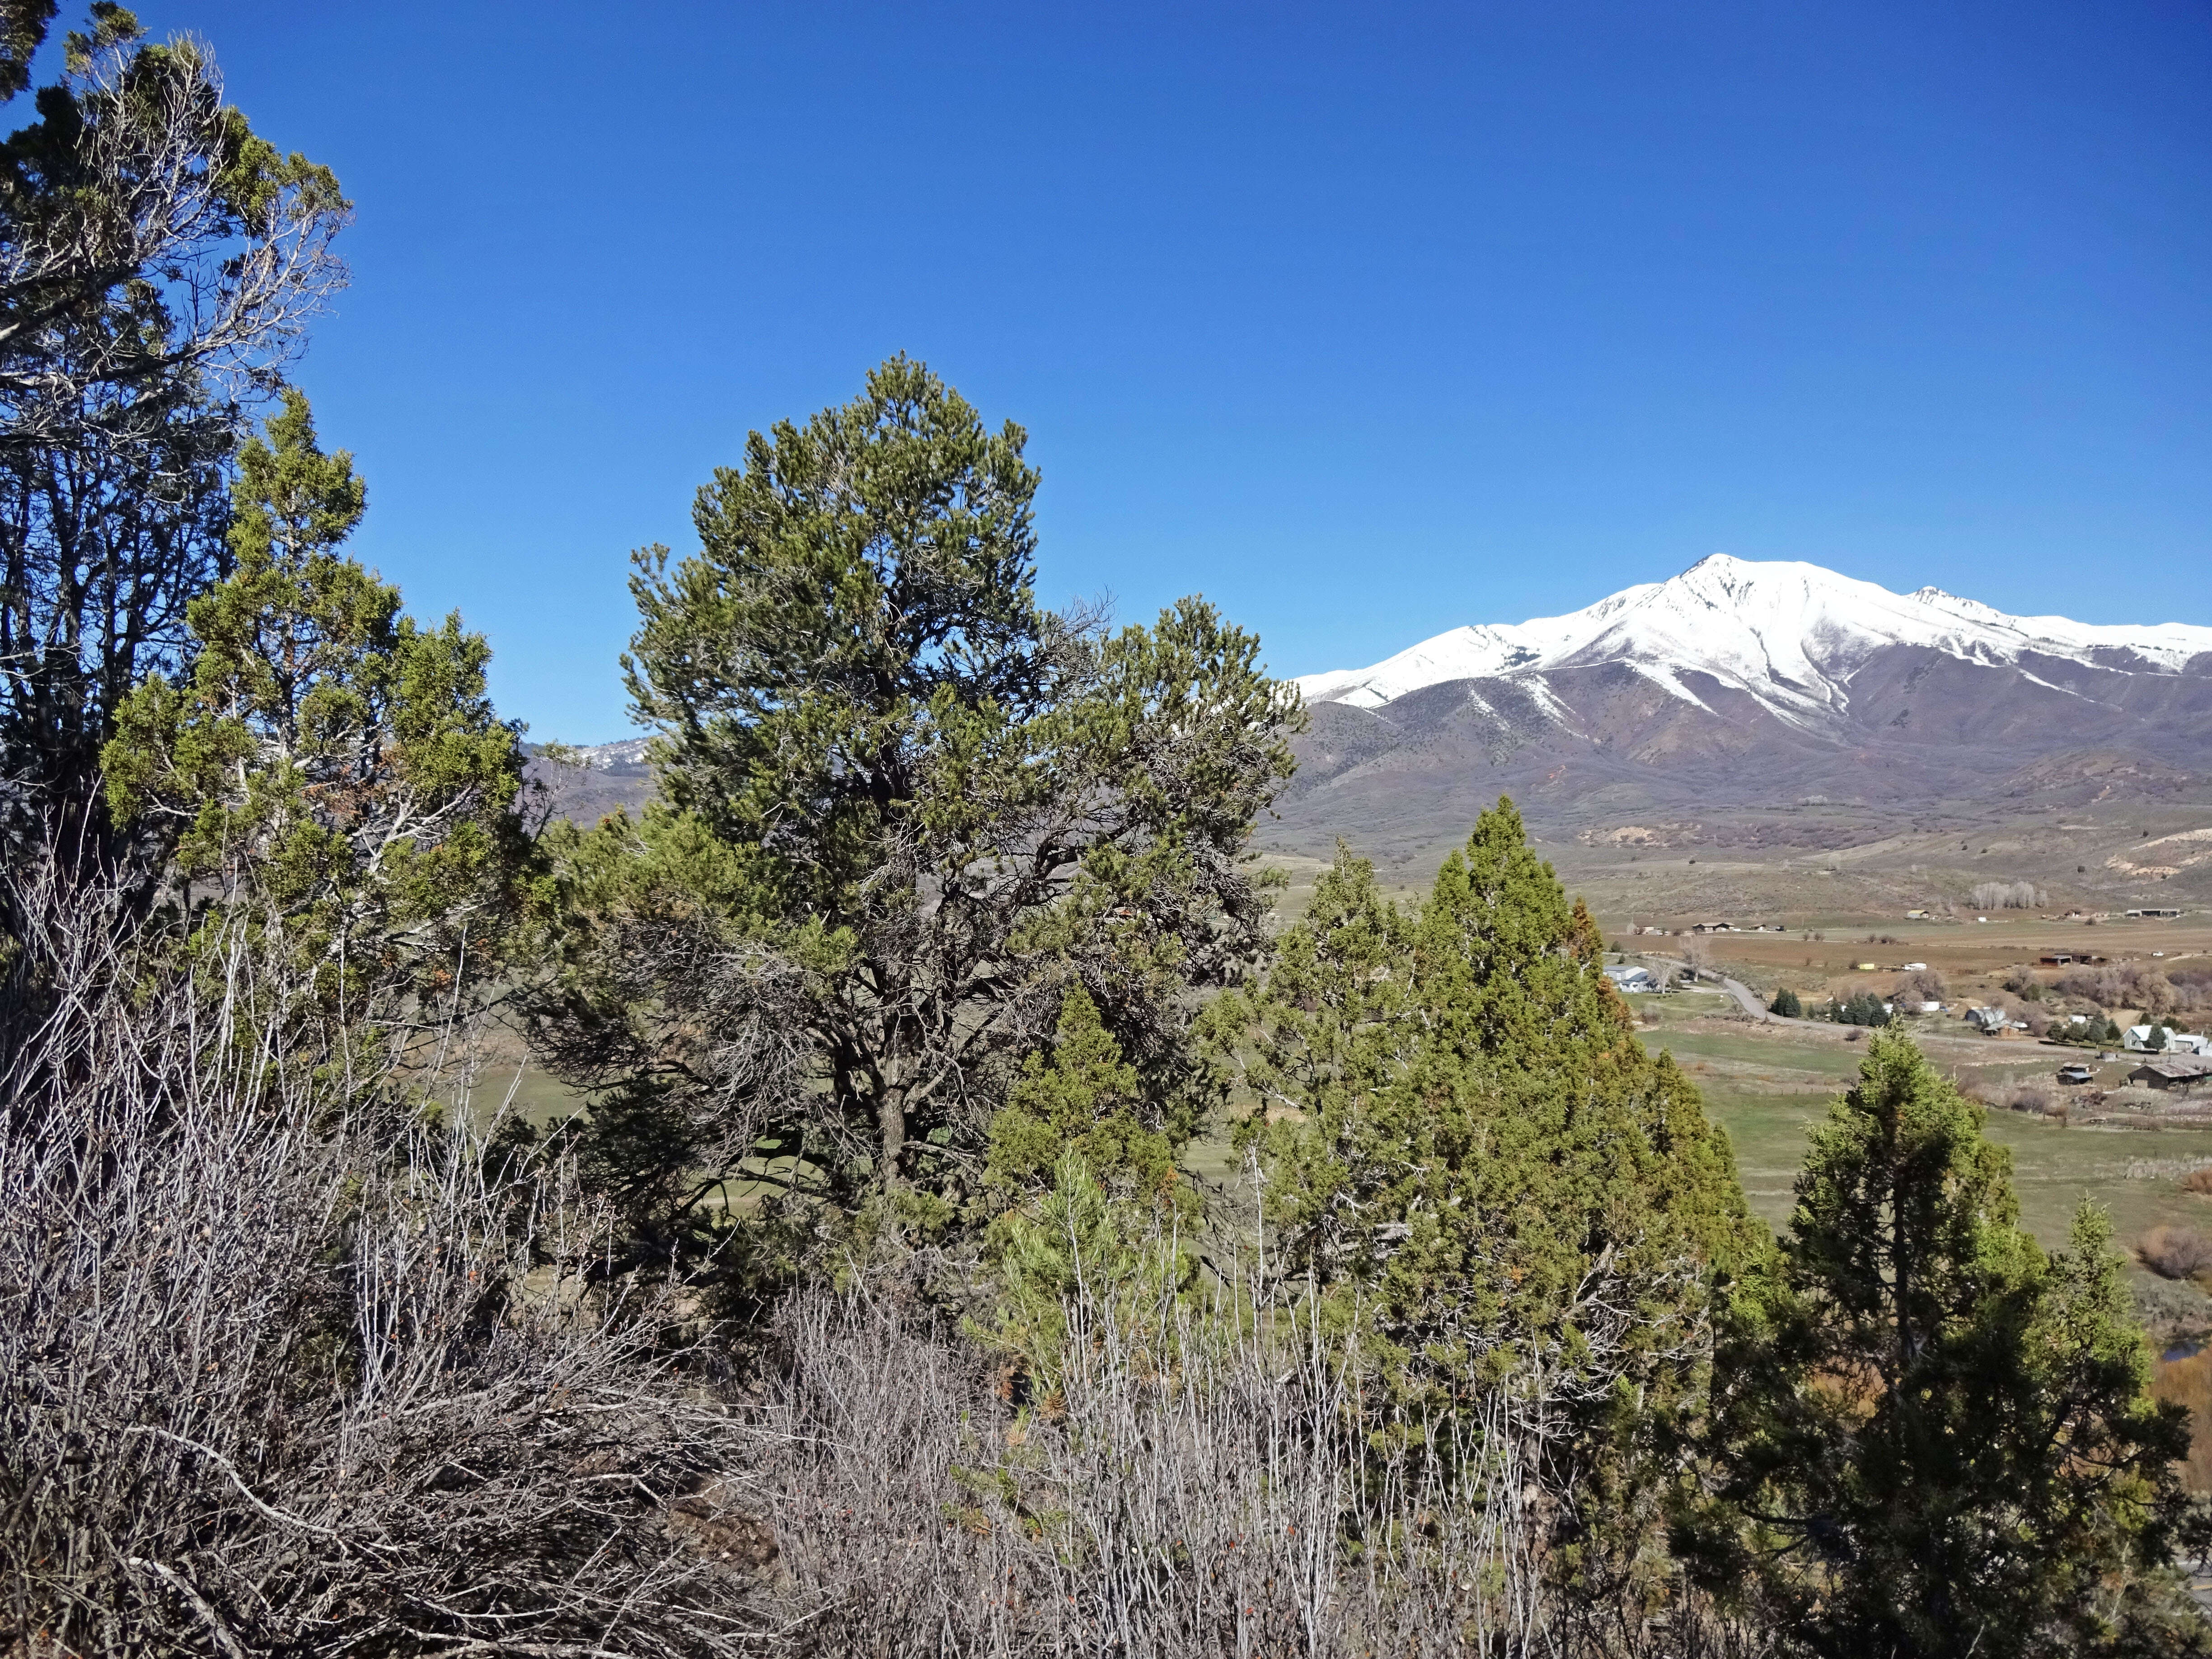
(1477, 1126)
(1079, 1099)
(1332, 1025)
(332, 771)
(1086, 1204)
(158, 263)
(1933, 1438)
(1521, 1217)
(909, 807)
(1081, 1247)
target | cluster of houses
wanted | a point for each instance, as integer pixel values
(2174, 1075)
(2136, 1039)
(1710, 928)
(2147, 912)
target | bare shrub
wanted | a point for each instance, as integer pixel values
(2170, 1310)
(292, 1370)
(2158, 993)
(2175, 1252)
(2197, 1180)
(2187, 1382)
(2190, 988)
(1921, 985)
(1190, 1497)
(2038, 1097)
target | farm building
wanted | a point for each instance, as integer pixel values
(2179, 1073)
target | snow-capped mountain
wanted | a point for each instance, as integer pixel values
(1790, 635)
(593, 780)
(1741, 684)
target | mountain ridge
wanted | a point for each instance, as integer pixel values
(1745, 688)
(1649, 626)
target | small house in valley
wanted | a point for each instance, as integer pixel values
(2140, 1039)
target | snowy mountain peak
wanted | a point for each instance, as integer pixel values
(1790, 634)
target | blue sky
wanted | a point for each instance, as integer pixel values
(1363, 320)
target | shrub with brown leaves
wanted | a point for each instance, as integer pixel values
(2175, 1252)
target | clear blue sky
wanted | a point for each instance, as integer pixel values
(1363, 320)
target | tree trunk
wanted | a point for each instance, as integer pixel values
(890, 1137)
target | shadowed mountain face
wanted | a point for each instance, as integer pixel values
(1748, 688)
(587, 784)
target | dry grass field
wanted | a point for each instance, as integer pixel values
(1966, 952)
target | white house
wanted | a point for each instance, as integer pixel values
(2136, 1040)
(1625, 978)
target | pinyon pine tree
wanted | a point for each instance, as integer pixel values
(907, 812)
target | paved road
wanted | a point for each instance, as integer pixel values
(1746, 997)
(1751, 1005)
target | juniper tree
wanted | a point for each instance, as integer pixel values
(1476, 1126)
(1931, 1437)
(908, 809)
(331, 773)
(1520, 1216)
